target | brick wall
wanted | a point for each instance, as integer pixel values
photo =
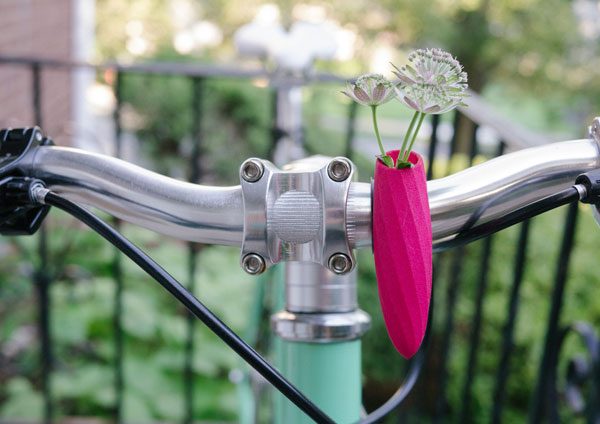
(36, 28)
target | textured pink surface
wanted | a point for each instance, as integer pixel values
(403, 249)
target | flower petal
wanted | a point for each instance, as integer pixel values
(378, 93)
(349, 94)
(405, 78)
(411, 103)
(361, 95)
(433, 109)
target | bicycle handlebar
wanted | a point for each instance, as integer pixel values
(215, 215)
(211, 215)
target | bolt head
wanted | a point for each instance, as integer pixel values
(252, 170)
(253, 264)
(339, 169)
(340, 263)
(38, 136)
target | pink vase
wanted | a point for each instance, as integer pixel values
(402, 247)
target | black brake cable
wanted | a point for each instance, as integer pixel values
(470, 232)
(145, 262)
(412, 375)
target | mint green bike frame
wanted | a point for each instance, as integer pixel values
(328, 373)
(326, 369)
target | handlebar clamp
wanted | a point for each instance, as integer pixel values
(296, 214)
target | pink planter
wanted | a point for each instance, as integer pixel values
(402, 247)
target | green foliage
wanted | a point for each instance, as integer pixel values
(234, 120)
(512, 49)
(155, 334)
(382, 363)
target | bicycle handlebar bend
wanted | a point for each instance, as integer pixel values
(215, 215)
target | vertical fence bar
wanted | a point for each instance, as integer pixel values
(117, 269)
(351, 128)
(509, 327)
(593, 402)
(188, 370)
(453, 288)
(433, 142)
(465, 414)
(42, 277)
(193, 249)
(549, 360)
(276, 132)
(439, 258)
(453, 141)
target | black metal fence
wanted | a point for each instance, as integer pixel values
(550, 391)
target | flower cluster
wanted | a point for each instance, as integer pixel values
(432, 83)
(371, 90)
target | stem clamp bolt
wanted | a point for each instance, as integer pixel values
(339, 263)
(339, 169)
(252, 170)
(253, 264)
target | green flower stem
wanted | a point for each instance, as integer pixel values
(414, 136)
(376, 128)
(407, 136)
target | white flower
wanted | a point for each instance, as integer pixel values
(434, 82)
(370, 90)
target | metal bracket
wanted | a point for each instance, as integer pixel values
(296, 214)
(594, 134)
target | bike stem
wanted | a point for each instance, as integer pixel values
(319, 328)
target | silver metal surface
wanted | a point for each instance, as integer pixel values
(289, 122)
(358, 215)
(595, 129)
(581, 190)
(339, 263)
(310, 287)
(297, 214)
(253, 264)
(594, 133)
(216, 215)
(252, 170)
(186, 211)
(339, 169)
(507, 183)
(38, 192)
(498, 186)
(320, 328)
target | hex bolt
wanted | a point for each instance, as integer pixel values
(339, 169)
(339, 263)
(252, 170)
(253, 264)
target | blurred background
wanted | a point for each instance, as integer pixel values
(190, 88)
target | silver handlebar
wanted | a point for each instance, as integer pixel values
(507, 183)
(212, 215)
(215, 215)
